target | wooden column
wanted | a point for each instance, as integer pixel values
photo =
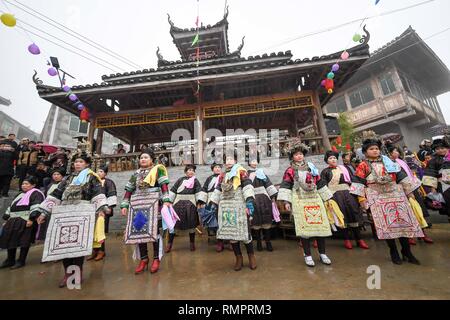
(321, 123)
(91, 132)
(99, 141)
(200, 130)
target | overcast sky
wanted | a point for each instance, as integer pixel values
(135, 28)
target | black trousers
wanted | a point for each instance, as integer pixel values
(5, 182)
(307, 245)
(73, 261)
(143, 249)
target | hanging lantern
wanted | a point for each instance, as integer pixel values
(66, 88)
(339, 141)
(329, 84)
(335, 67)
(8, 20)
(52, 71)
(73, 97)
(34, 49)
(80, 107)
(84, 114)
(348, 147)
(330, 91)
(323, 83)
(334, 149)
(330, 75)
(356, 37)
(345, 55)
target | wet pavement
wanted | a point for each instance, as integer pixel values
(205, 274)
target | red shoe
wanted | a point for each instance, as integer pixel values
(63, 282)
(315, 244)
(219, 246)
(362, 244)
(412, 242)
(168, 248)
(143, 265)
(348, 244)
(192, 246)
(155, 266)
(427, 239)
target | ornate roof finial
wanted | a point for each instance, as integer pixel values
(239, 49)
(36, 80)
(365, 38)
(159, 55)
(170, 21)
(225, 16)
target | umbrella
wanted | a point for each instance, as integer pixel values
(392, 137)
(48, 148)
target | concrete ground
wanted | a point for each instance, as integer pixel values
(206, 274)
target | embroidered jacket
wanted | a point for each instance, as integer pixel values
(308, 182)
(208, 189)
(16, 211)
(240, 180)
(154, 177)
(262, 184)
(180, 189)
(110, 191)
(437, 170)
(66, 192)
(366, 176)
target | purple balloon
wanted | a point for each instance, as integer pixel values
(80, 107)
(52, 71)
(34, 49)
(73, 97)
(66, 88)
(335, 67)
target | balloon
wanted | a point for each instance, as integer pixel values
(8, 19)
(335, 67)
(73, 97)
(330, 75)
(329, 84)
(84, 115)
(345, 55)
(356, 37)
(80, 107)
(34, 49)
(66, 88)
(52, 71)
(330, 91)
(323, 83)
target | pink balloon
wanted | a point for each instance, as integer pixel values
(34, 49)
(345, 55)
(52, 71)
(323, 83)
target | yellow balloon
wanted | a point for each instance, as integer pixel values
(330, 91)
(8, 19)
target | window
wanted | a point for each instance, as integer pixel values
(338, 105)
(78, 126)
(405, 83)
(387, 84)
(361, 96)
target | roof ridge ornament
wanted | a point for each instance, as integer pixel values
(161, 60)
(239, 49)
(172, 25)
(365, 38)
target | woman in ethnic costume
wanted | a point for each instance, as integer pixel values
(265, 195)
(344, 206)
(147, 189)
(234, 196)
(205, 197)
(19, 230)
(383, 188)
(394, 155)
(184, 195)
(304, 193)
(81, 187)
(436, 177)
(57, 175)
(110, 191)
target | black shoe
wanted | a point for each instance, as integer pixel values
(410, 258)
(18, 265)
(259, 246)
(269, 246)
(7, 264)
(395, 257)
